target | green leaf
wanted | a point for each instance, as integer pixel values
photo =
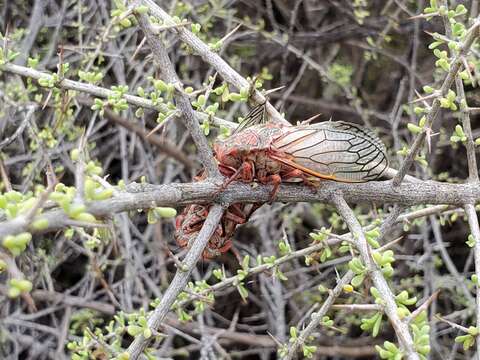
(357, 280)
(293, 332)
(471, 241)
(414, 129)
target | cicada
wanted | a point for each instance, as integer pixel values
(271, 153)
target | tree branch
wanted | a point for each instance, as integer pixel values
(317, 317)
(183, 102)
(434, 110)
(146, 196)
(212, 58)
(103, 93)
(401, 329)
(179, 281)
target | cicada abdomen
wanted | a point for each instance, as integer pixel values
(189, 223)
(334, 150)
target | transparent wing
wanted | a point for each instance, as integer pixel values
(337, 150)
(258, 115)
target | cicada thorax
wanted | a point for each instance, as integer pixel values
(245, 145)
(335, 150)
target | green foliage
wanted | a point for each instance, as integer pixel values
(360, 271)
(389, 351)
(372, 324)
(18, 286)
(155, 214)
(17, 244)
(458, 135)
(384, 260)
(468, 339)
(341, 73)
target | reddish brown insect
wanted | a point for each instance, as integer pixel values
(272, 153)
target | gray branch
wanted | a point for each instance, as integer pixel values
(212, 58)
(146, 196)
(401, 329)
(435, 109)
(183, 102)
(179, 281)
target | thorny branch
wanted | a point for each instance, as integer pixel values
(146, 196)
(401, 329)
(220, 65)
(179, 281)
(435, 108)
(183, 102)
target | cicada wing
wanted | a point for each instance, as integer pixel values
(258, 115)
(334, 150)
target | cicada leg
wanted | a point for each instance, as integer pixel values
(228, 244)
(246, 171)
(235, 214)
(275, 180)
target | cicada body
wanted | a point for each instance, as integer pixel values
(272, 153)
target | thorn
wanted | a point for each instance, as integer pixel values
(428, 138)
(268, 92)
(309, 120)
(161, 125)
(422, 16)
(231, 33)
(423, 98)
(138, 48)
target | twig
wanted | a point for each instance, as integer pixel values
(179, 281)
(145, 196)
(435, 108)
(401, 328)
(422, 307)
(19, 131)
(220, 65)
(163, 144)
(183, 102)
(317, 316)
(475, 231)
(102, 92)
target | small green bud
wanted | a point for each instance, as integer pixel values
(428, 89)
(85, 217)
(125, 23)
(142, 9)
(74, 154)
(166, 212)
(40, 224)
(75, 209)
(414, 129)
(134, 330)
